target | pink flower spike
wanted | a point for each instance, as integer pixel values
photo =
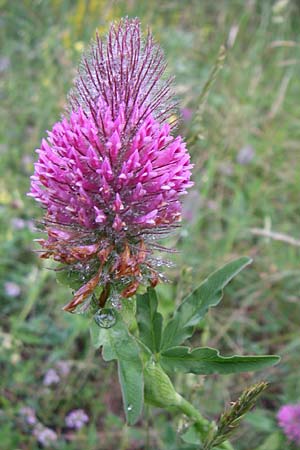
(118, 205)
(100, 216)
(289, 420)
(110, 173)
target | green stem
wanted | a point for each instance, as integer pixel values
(189, 410)
(159, 391)
(124, 439)
(202, 425)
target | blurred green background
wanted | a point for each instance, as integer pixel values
(245, 147)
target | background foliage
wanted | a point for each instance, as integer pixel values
(247, 175)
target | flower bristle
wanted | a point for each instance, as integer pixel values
(110, 173)
(125, 69)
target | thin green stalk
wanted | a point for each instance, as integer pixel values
(190, 411)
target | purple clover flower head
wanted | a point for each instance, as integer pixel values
(17, 223)
(51, 377)
(76, 419)
(12, 289)
(191, 205)
(45, 436)
(289, 420)
(111, 173)
(63, 368)
(28, 415)
(245, 155)
(187, 114)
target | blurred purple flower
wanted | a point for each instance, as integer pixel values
(226, 169)
(4, 63)
(45, 436)
(187, 114)
(12, 289)
(245, 155)
(27, 160)
(76, 419)
(31, 225)
(213, 205)
(51, 377)
(63, 367)
(28, 414)
(191, 206)
(17, 223)
(289, 420)
(110, 175)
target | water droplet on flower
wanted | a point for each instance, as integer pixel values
(105, 318)
(163, 278)
(115, 301)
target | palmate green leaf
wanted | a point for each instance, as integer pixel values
(117, 343)
(195, 306)
(205, 361)
(149, 320)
